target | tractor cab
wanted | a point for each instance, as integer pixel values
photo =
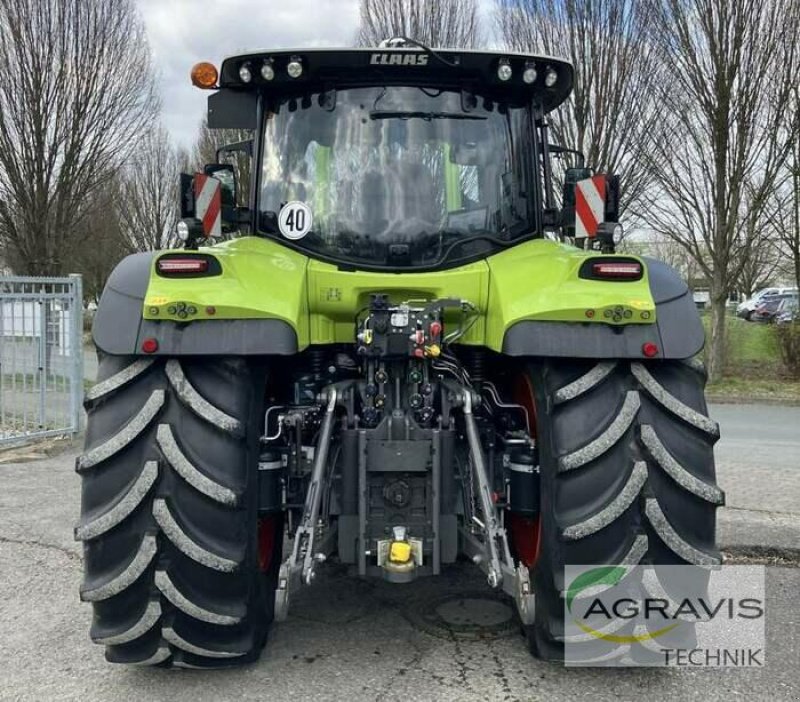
(397, 158)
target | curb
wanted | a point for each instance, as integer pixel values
(756, 555)
(751, 532)
(713, 399)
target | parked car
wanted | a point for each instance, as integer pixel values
(788, 311)
(767, 309)
(745, 309)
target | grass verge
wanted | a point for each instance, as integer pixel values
(754, 371)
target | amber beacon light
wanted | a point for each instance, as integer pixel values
(204, 75)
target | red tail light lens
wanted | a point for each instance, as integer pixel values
(611, 268)
(617, 271)
(182, 265)
(649, 349)
(150, 345)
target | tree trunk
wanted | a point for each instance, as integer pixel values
(794, 240)
(717, 348)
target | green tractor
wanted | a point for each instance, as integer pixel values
(407, 360)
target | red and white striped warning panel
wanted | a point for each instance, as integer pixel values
(590, 205)
(208, 203)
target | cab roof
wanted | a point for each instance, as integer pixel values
(476, 71)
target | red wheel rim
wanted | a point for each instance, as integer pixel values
(524, 395)
(526, 537)
(526, 532)
(266, 541)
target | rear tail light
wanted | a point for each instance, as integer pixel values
(182, 265)
(175, 265)
(616, 271)
(611, 268)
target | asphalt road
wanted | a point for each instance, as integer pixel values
(758, 456)
(348, 639)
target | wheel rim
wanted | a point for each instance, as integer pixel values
(525, 532)
(266, 542)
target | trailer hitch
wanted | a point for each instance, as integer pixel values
(299, 567)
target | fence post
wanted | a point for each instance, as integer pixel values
(43, 365)
(76, 343)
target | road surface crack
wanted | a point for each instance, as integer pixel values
(71, 555)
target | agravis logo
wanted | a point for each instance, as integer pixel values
(664, 615)
(606, 577)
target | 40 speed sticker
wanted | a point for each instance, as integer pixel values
(295, 220)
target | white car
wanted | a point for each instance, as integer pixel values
(746, 308)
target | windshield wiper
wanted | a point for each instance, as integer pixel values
(427, 116)
(461, 239)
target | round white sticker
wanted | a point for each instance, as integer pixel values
(295, 220)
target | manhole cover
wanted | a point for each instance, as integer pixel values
(465, 616)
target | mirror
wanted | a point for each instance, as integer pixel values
(224, 173)
(187, 195)
(241, 147)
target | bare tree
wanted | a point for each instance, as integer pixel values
(205, 151)
(437, 23)
(762, 259)
(148, 198)
(664, 249)
(100, 241)
(786, 212)
(75, 96)
(760, 268)
(614, 105)
(725, 132)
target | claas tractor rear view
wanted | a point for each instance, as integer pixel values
(424, 349)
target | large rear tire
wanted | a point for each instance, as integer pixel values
(169, 518)
(627, 475)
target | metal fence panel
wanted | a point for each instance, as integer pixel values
(41, 357)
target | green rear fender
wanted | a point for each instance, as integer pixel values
(540, 306)
(268, 299)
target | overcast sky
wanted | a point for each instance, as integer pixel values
(183, 32)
